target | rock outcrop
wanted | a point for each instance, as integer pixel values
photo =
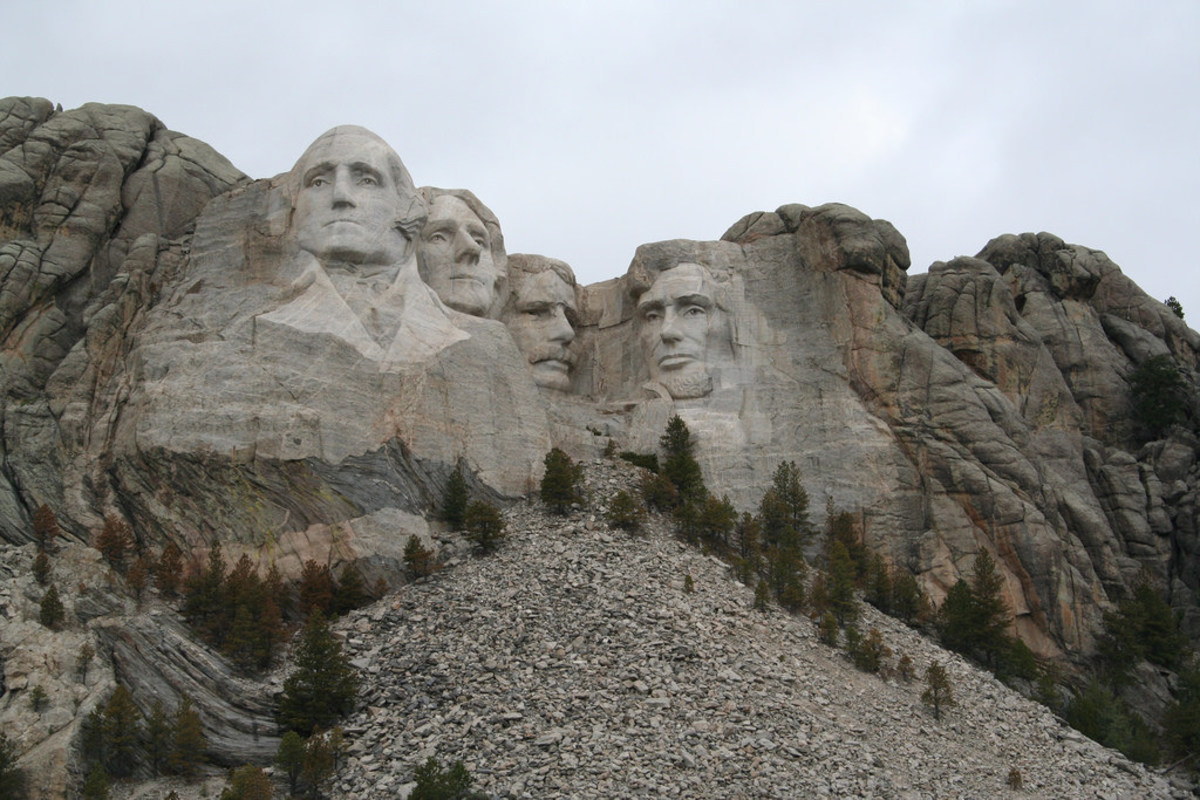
(294, 366)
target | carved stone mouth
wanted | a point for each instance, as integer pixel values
(675, 360)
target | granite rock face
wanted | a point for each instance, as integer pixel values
(294, 366)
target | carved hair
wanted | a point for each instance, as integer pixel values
(412, 207)
(643, 273)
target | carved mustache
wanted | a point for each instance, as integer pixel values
(550, 353)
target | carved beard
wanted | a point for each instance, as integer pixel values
(688, 384)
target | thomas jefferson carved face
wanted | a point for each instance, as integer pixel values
(541, 315)
(456, 256)
(678, 320)
(348, 202)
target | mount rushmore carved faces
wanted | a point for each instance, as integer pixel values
(541, 313)
(354, 202)
(461, 251)
(679, 322)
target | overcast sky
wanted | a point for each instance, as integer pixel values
(590, 128)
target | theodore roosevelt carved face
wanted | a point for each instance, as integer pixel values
(541, 314)
(679, 325)
(354, 203)
(461, 253)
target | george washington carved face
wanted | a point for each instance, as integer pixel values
(353, 201)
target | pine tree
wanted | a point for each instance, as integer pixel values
(560, 482)
(992, 612)
(318, 762)
(189, 740)
(114, 542)
(485, 526)
(909, 603)
(138, 577)
(13, 783)
(454, 503)
(842, 601)
(248, 782)
(323, 685)
(203, 605)
(879, 584)
(45, 528)
(436, 783)
(679, 463)
(625, 512)
(1160, 394)
(41, 568)
(122, 733)
(96, 786)
(316, 588)
(51, 613)
(290, 758)
(938, 694)
(168, 572)
(1175, 306)
(351, 591)
(157, 742)
(762, 597)
(718, 518)
(840, 527)
(418, 558)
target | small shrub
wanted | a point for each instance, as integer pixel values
(560, 487)
(485, 526)
(762, 596)
(647, 461)
(827, 629)
(1014, 780)
(625, 512)
(38, 699)
(436, 783)
(689, 584)
(870, 652)
(938, 694)
(905, 669)
(658, 492)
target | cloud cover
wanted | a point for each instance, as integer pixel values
(592, 128)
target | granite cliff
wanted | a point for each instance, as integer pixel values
(294, 366)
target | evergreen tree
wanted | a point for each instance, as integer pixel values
(122, 733)
(625, 512)
(203, 605)
(938, 694)
(749, 555)
(1175, 306)
(318, 762)
(718, 518)
(13, 783)
(168, 572)
(992, 614)
(351, 591)
(138, 577)
(436, 783)
(909, 603)
(658, 492)
(45, 528)
(561, 481)
(840, 527)
(454, 503)
(86, 654)
(290, 758)
(41, 568)
(762, 597)
(157, 742)
(323, 685)
(51, 613)
(316, 588)
(115, 541)
(827, 630)
(1160, 394)
(189, 740)
(842, 601)
(96, 786)
(679, 463)
(418, 558)
(248, 782)
(485, 526)
(879, 584)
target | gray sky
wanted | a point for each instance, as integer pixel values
(590, 128)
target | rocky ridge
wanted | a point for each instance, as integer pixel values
(573, 663)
